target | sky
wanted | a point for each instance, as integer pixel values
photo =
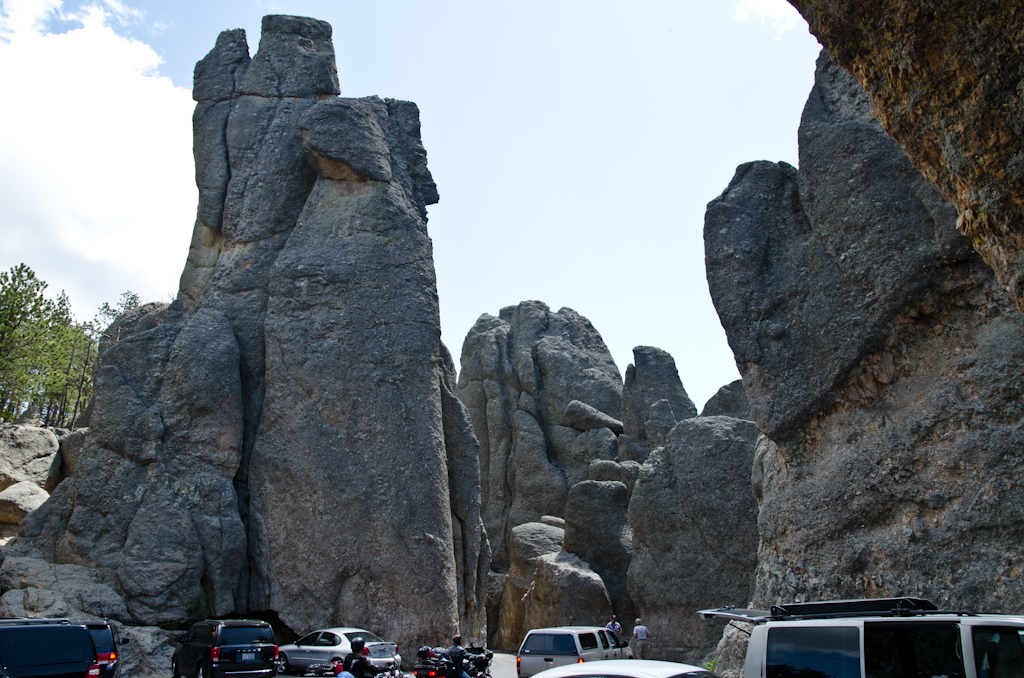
(575, 145)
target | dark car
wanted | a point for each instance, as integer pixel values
(47, 648)
(108, 644)
(239, 648)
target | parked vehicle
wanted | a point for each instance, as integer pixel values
(634, 668)
(880, 638)
(38, 648)
(332, 669)
(435, 663)
(108, 644)
(478, 662)
(543, 649)
(326, 645)
(239, 648)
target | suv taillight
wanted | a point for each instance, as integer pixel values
(94, 671)
(275, 653)
(517, 666)
(106, 657)
(214, 654)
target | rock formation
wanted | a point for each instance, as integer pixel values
(359, 410)
(29, 453)
(694, 523)
(653, 398)
(597, 531)
(152, 503)
(544, 396)
(284, 436)
(527, 543)
(943, 77)
(883, 362)
(565, 592)
(729, 401)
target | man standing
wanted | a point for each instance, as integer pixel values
(615, 627)
(640, 636)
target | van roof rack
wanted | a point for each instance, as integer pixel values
(869, 607)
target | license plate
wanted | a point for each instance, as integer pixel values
(246, 656)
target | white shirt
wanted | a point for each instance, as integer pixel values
(640, 632)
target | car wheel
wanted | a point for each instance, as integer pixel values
(200, 671)
(174, 668)
(282, 660)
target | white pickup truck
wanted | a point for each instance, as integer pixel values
(543, 649)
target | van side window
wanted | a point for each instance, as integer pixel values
(909, 650)
(814, 652)
(202, 633)
(998, 652)
(563, 643)
(588, 641)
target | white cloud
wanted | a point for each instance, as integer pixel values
(95, 159)
(779, 13)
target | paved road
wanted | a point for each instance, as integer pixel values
(503, 666)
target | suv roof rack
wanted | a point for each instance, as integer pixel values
(29, 621)
(869, 607)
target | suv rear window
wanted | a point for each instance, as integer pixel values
(550, 643)
(37, 645)
(246, 635)
(998, 652)
(814, 652)
(102, 638)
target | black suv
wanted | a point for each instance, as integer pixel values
(239, 648)
(108, 644)
(45, 648)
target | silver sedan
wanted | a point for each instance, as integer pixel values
(327, 645)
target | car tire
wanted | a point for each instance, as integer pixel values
(200, 671)
(285, 667)
(174, 668)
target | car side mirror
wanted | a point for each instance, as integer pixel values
(125, 641)
(178, 639)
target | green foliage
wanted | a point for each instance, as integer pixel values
(710, 665)
(46, 358)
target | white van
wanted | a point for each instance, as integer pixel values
(543, 649)
(878, 638)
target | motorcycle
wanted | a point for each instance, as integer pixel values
(391, 670)
(434, 662)
(477, 662)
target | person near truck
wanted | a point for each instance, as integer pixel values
(640, 637)
(615, 627)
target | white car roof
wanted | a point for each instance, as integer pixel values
(627, 668)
